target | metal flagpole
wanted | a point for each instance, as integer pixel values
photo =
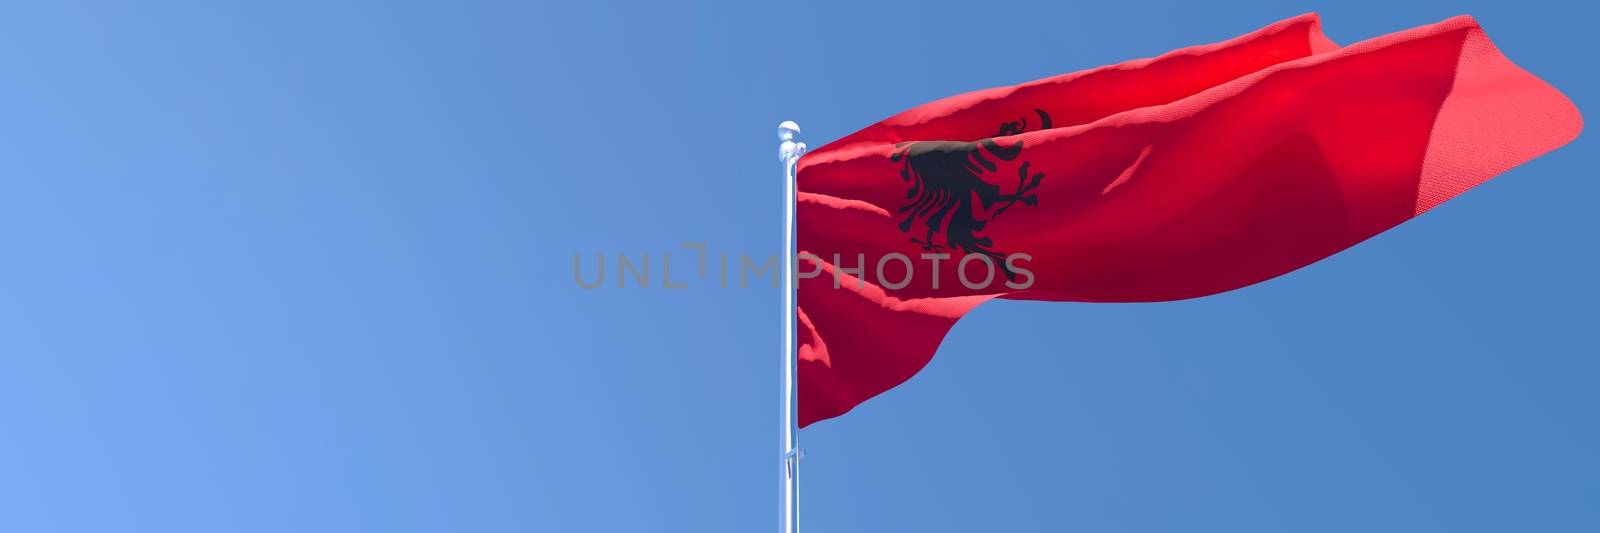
(789, 153)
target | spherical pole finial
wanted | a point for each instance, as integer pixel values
(789, 149)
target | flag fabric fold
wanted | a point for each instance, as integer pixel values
(1196, 172)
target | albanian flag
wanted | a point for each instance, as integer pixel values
(1200, 171)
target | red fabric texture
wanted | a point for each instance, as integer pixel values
(1200, 171)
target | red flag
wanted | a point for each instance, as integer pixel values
(1200, 171)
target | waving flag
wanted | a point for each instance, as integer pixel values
(1200, 171)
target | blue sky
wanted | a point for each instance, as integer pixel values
(307, 267)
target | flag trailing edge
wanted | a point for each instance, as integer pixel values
(1200, 171)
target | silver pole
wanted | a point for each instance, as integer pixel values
(789, 152)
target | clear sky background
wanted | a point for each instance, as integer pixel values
(306, 266)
